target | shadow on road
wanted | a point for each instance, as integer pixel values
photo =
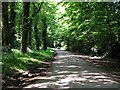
(70, 71)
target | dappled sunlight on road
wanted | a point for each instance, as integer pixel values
(70, 71)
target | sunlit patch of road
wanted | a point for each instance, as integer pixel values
(70, 71)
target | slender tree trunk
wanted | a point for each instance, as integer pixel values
(12, 23)
(36, 36)
(3, 37)
(30, 33)
(44, 34)
(35, 12)
(68, 44)
(19, 24)
(25, 26)
(20, 28)
(6, 32)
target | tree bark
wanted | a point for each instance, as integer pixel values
(5, 29)
(12, 24)
(25, 26)
(44, 34)
(35, 12)
(36, 36)
(30, 33)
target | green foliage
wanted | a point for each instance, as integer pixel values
(17, 61)
(88, 24)
(76, 26)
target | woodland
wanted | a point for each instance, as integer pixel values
(31, 29)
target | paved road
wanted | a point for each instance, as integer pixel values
(69, 71)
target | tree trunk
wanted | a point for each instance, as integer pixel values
(6, 32)
(12, 24)
(44, 34)
(36, 36)
(19, 24)
(35, 12)
(30, 33)
(25, 26)
(119, 33)
(3, 37)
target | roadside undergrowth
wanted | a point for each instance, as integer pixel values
(16, 61)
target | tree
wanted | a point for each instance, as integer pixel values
(44, 33)
(35, 10)
(90, 25)
(5, 30)
(12, 24)
(25, 26)
(76, 26)
(36, 36)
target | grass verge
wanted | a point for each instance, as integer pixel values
(17, 61)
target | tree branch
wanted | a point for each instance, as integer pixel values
(40, 5)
